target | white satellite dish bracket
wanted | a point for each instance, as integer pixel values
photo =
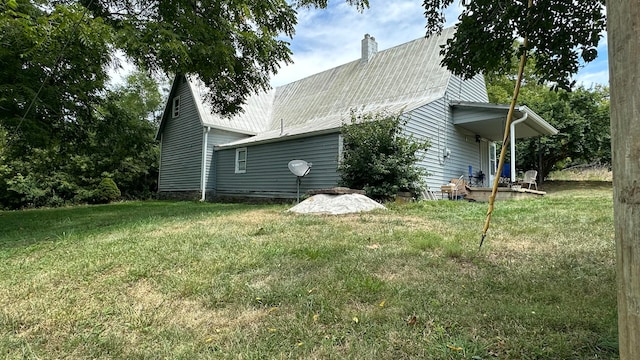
(299, 168)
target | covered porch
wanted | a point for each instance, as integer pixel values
(482, 194)
(487, 121)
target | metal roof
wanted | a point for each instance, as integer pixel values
(253, 120)
(400, 78)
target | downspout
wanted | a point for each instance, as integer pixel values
(512, 140)
(203, 179)
(442, 157)
(159, 164)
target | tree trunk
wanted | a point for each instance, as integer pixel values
(623, 24)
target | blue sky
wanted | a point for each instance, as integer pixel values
(327, 38)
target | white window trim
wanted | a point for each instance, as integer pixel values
(238, 151)
(175, 110)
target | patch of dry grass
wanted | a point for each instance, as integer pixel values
(598, 173)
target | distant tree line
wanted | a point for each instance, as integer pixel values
(69, 162)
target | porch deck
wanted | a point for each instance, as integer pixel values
(482, 194)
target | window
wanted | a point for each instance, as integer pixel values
(241, 160)
(492, 159)
(175, 112)
(340, 149)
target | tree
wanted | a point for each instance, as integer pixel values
(378, 158)
(53, 67)
(232, 46)
(624, 70)
(118, 140)
(581, 116)
(115, 140)
(561, 32)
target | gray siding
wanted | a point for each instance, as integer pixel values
(217, 137)
(428, 122)
(209, 166)
(434, 121)
(465, 151)
(181, 147)
(267, 172)
(473, 89)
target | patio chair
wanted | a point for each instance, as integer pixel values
(476, 179)
(454, 189)
(505, 175)
(530, 179)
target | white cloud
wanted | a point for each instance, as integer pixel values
(327, 38)
(589, 79)
(597, 71)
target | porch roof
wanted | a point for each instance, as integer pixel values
(488, 120)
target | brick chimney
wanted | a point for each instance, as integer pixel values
(369, 48)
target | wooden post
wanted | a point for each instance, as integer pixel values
(623, 23)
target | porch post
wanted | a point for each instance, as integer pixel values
(512, 141)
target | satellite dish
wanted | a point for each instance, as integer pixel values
(299, 168)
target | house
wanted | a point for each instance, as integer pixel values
(204, 155)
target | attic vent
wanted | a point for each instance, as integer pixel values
(369, 48)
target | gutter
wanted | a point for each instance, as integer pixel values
(539, 121)
(243, 143)
(228, 128)
(203, 178)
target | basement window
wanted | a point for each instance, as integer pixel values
(175, 110)
(241, 160)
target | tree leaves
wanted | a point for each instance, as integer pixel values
(54, 66)
(233, 46)
(561, 34)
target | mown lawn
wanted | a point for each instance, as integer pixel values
(180, 280)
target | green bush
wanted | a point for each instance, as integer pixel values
(107, 191)
(379, 158)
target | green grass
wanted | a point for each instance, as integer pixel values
(185, 280)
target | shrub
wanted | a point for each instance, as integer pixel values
(379, 158)
(106, 192)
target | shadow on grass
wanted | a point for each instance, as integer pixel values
(28, 227)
